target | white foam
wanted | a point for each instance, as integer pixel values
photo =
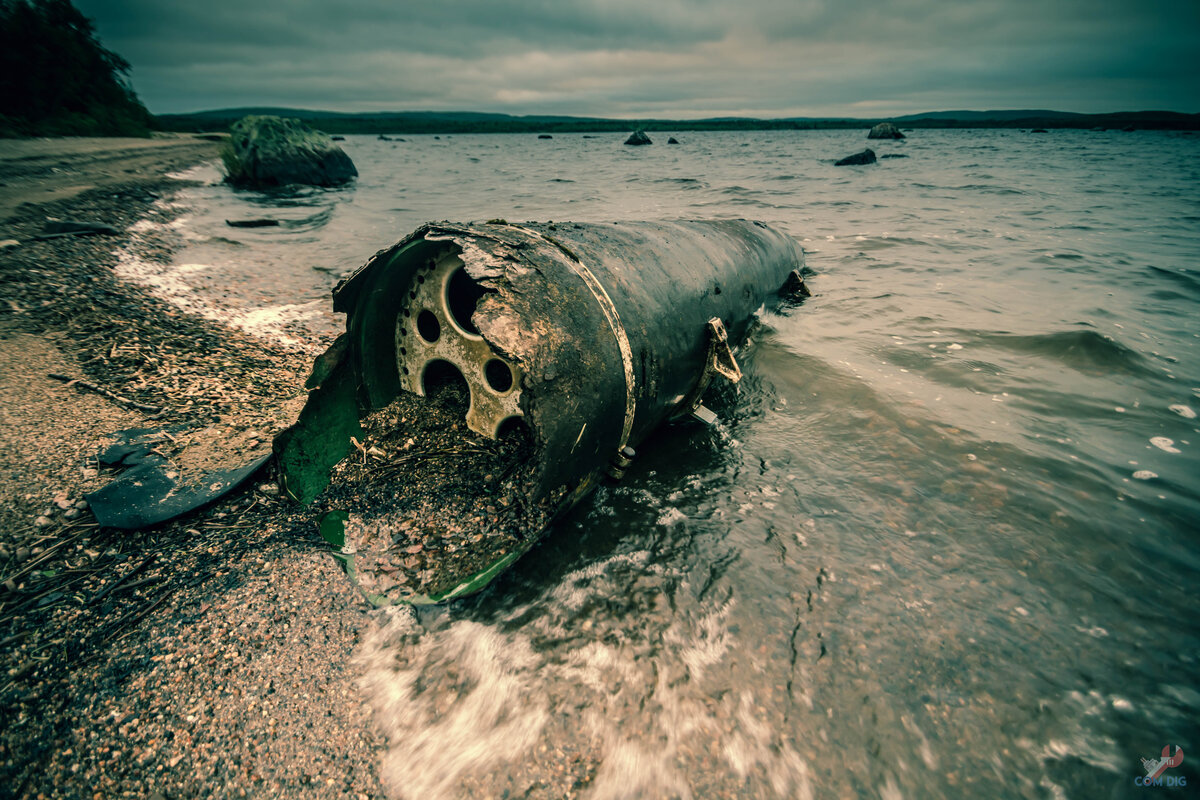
(1164, 444)
(170, 283)
(470, 708)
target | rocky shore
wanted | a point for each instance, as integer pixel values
(203, 657)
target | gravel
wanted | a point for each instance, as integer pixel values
(203, 657)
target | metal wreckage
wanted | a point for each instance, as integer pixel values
(490, 376)
(573, 340)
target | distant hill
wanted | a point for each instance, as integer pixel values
(1006, 115)
(417, 122)
(1041, 118)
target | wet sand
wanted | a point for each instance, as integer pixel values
(202, 657)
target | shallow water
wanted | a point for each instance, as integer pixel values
(944, 542)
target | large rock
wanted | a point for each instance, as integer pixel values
(275, 151)
(885, 130)
(638, 137)
(865, 157)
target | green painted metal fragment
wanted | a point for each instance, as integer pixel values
(333, 528)
(308, 450)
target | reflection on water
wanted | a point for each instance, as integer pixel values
(943, 543)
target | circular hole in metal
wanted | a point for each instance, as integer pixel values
(428, 326)
(462, 294)
(515, 428)
(498, 375)
(444, 384)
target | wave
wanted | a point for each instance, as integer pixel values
(1181, 278)
(1085, 351)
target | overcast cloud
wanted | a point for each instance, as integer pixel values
(659, 58)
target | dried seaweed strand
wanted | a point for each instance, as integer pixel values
(91, 387)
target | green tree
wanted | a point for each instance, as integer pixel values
(57, 80)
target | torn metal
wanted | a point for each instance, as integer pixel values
(590, 335)
(153, 489)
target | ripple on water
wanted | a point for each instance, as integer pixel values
(1086, 351)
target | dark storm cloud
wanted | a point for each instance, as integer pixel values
(678, 58)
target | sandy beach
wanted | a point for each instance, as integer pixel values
(202, 657)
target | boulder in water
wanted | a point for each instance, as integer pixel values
(865, 157)
(885, 130)
(267, 151)
(638, 137)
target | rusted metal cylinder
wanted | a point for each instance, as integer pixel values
(593, 334)
(589, 335)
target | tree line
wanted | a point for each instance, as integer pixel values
(56, 79)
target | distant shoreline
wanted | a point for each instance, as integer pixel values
(423, 122)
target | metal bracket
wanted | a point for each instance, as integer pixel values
(718, 360)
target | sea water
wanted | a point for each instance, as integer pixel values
(943, 544)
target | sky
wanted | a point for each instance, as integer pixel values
(676, 59)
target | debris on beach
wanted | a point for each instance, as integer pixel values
(154, 488)
(252, 223)
(55, 228)
(492, 374)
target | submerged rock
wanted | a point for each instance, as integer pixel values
(865, 157)
(885, 130)
(269, 151)
(638, 137)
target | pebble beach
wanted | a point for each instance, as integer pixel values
(205, 657)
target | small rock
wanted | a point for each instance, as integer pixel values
(41, 522)
(672, 140)
(865, 157)
(885, 130)
(63, 502)
(22, 554)
(269, 489)
(545, 136)
(8, 243)
(82, 505)
(638, 137)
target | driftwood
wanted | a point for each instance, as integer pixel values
(91, 387)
